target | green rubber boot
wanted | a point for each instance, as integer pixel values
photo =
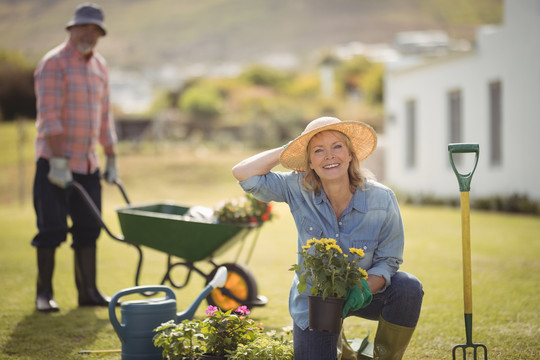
(391, 340)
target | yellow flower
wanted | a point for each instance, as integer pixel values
(332, 246)
(328, 241)
(363, 272)
(358, 252)
(345, 272)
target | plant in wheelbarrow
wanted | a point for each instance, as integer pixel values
(329, 274)
(244, 210)
(213, 337)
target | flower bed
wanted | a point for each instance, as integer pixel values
(231, 335)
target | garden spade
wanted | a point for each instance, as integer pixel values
(464, 181)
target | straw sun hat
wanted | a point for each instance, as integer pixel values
(362, 136)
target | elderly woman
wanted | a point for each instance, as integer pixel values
(330, 197)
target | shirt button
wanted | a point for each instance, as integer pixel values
(365, 247)
(340, 223)
(310, 228)
(337, 235)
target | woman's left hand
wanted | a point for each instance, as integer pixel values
(357, 298)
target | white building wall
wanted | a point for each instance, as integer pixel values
(510, 54)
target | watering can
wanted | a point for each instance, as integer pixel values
(141, 317)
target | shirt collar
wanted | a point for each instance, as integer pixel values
(359, 199)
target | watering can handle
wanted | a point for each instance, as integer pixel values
(119, 328)
(464, 180)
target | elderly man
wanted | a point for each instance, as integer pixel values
(72, 90)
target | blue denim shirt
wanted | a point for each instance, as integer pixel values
(371, 222)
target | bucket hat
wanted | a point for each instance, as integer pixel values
(88, 13)
(362, 136)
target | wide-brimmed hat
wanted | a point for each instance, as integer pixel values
(88, 13)
(362, 136)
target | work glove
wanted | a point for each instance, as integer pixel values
(357, 298)
(111, 174)
(59, 173)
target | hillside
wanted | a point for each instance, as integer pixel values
(146, 33)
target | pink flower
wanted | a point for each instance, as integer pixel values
(211, 310)
(243, 310)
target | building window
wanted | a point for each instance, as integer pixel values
(410, 133)
(495, 123)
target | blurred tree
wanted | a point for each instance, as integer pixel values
(372, 85)
(303, 86)
(351, 73)
(203, 104)
(17, 97)
(264, 76)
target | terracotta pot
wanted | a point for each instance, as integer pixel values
(325, 315)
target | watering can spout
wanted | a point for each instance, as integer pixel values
(218, 281)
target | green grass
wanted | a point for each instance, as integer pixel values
(505, 250)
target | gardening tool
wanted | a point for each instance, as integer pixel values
(464, 181)
(141, 317)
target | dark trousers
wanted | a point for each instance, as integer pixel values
(53, 205)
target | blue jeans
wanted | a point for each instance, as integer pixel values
(53, 205)
(399, 304)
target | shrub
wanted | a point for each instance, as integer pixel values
(17, 97)
(263, 348)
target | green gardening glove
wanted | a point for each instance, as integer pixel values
(357, 298)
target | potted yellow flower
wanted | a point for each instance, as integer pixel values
(329, 272)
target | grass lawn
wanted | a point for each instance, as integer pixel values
(505, 251)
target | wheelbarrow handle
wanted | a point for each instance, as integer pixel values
(93, 208)
(464, 180)
(122, 190)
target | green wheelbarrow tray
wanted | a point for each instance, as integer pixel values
(162, 226)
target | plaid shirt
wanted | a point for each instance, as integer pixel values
(73, 99)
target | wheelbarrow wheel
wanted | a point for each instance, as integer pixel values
(240, 284)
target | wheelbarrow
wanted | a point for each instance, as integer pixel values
(163, 226)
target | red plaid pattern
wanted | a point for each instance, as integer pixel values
(73, 99)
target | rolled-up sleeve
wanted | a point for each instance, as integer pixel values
(389, 253)
(107, 134)
(268, 187)
(49, 93)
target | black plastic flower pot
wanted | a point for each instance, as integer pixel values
(325, 315)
